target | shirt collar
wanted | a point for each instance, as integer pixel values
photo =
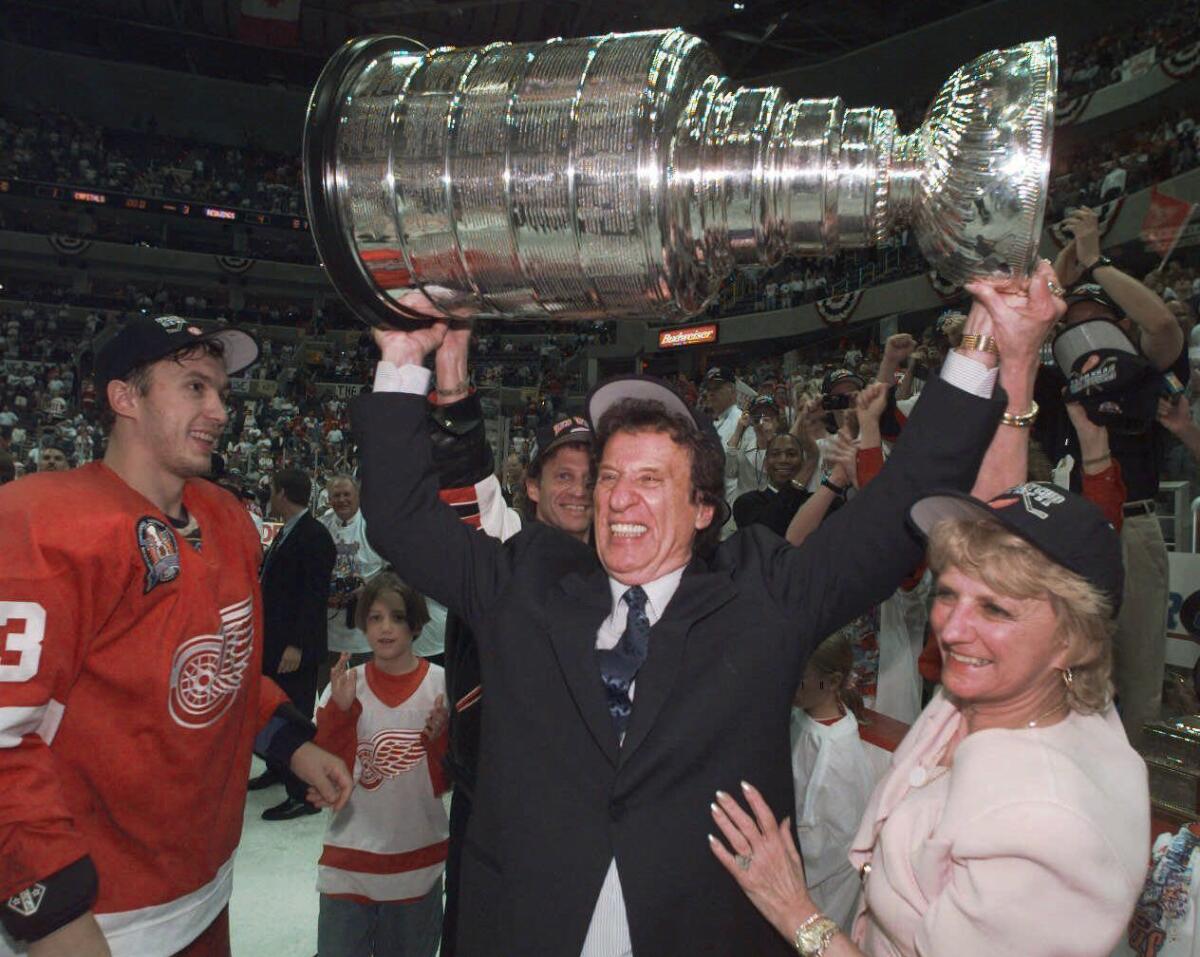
(658, 592)
(734, 411)
(291, 522)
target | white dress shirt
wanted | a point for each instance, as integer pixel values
(608, 933)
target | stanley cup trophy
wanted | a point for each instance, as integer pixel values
(622, 177)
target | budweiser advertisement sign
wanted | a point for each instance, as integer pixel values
(689, 336)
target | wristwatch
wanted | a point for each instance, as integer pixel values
(1101, 261)
(838, 490)
(814, 935)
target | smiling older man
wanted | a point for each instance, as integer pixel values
(628, 684)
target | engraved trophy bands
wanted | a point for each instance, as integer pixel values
(622, 177)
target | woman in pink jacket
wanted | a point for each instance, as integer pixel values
(1014, 819)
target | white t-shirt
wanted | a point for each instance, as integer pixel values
(356, 562)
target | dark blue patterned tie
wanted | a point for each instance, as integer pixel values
(619, 666)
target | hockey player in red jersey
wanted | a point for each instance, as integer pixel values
(130, 688)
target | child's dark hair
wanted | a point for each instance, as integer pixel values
(415, 609)
(835, 656)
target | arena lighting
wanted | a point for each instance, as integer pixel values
(690, 336)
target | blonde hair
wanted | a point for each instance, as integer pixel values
(1008, 564)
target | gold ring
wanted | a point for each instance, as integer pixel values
(1056, 289)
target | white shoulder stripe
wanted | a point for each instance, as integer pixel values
(42, 720)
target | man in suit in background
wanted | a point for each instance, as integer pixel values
(295, 584)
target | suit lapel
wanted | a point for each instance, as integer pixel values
(577, 605)
(700, 593)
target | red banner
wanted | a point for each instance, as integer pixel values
(1165, 219)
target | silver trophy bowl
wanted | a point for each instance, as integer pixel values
(621, 177)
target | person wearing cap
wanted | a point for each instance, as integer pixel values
(628, 683)
(1100, 297)
(558, 481)
(764, 417)
(1015, 816)
(130, 696)
(720, 398)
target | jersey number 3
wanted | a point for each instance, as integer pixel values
(22, 627)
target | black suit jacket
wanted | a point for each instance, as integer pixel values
(557, 797)
(295, 587)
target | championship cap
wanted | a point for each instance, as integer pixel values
(1065, 527)
(834, 376)
(607, 394)
(147, 339)
(563, 431)
(610, 392)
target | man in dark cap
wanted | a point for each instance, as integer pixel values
(130, 641)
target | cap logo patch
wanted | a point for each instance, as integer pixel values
(1032, 496)
(171, 324)
(160, 552)
(574, 422)
(1094, 378)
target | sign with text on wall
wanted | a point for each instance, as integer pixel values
(1183, 610)
(688, 336)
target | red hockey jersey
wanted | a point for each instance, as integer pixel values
(130, 696)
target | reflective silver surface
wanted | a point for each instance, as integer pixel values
(621, 176)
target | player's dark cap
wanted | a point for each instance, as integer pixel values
(763, 405)
(717, 375)
(1064, 526)
(147, 339)
(1092, 292)
(566, 430)
(835, 376)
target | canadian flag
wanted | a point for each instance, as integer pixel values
(1165, 220)
(270, 22)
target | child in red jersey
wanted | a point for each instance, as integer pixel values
(380, 873)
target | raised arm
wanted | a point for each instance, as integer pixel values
(408, 524)
(1013, 320)
(858, 556)
(1161, 336)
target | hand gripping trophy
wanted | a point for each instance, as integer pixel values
(622, 177)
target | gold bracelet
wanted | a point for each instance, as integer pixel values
(1022, 421)
(976, 343)
(813, 935)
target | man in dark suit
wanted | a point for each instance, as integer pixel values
(628, 684)
(295, 585)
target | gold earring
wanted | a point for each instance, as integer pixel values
(1068, 678)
